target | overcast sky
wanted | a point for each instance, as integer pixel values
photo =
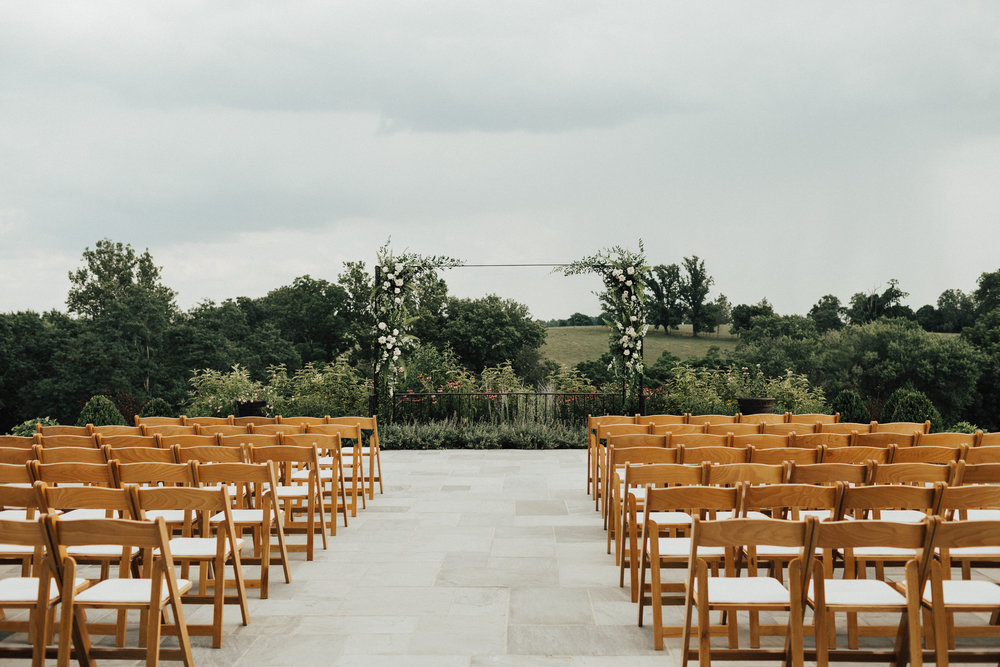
(799, 148)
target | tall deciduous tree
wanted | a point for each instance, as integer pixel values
(489, 331)
(120, 294)
(695, 286)
(828, 314)
(870, 307)
(665, 308)
(987, 294)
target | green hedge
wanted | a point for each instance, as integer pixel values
(453, 435)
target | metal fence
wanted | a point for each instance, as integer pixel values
(502, 407)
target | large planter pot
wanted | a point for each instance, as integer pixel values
(250, 409)
(755, 406)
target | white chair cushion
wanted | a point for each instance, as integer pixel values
(99, 551)
(963, 592)
(903, 516)
(984, 515)
(74, 515)
(126, 591)
(198, 547)
(24, 590)
(292, 491)
(170, 516)
(241, 516)
(859, 592)
(15, 550)
(745, 590)
(681, 546)
(671, 518)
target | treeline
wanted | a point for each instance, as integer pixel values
(865, 353)
(125, 337)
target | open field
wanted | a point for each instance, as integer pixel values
(571, 345)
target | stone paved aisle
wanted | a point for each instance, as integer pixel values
(469, 558)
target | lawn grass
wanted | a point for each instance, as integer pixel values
(571, 345)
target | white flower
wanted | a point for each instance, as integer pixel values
(383, 326)
(391, 276)
(621, 277)
(395, 332)
(385, 285)
(631, 270)
(399, 267)
(632, 317)
(627, 353)
(398, 300)
(399, 282)
(628, 282)
(381, 340)
(397, 290)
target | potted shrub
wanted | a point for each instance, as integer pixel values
(752, 389)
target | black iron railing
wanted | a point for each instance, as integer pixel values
(501, 407)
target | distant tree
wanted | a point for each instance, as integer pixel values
(129, 311)
(579, 320)
(987, 294)
(828, 314)
(870, 307)
(489, 331)
(598, 371)
(309, 313)
(743, 313)
(665, 306)
(956, 310)
(694, 292)
(984, 335)
(928, 318)
(719, 312)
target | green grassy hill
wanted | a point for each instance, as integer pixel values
(571, 345)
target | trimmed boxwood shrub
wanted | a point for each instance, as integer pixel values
(100, 411)
(910, 405)
(850, 406)
(156, 407)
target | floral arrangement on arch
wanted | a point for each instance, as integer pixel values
(623, 273)
(395, 276)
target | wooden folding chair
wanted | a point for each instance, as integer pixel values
(153, 593)
(63, 429)
(299, 488)
(854, 454)
(159, 421)
(117, 441)
(85, 441)
(16, 455)
(699, 455)
(762, 418)
(138, 454)
(828, 596)
(977, 502)
(254, 509)
(246, 421)
(787, 428)
(760, 441)
(884, 439)
(989, 454)
(302, 421)
(274, 429)
(945, 597)
(37, 592)
(752, 428)
(621, 442)
(661, 420)
(732, 592)
(731, 474)
(69, 455)
(105, 431)
(693, 440)
(814, 440)
(676, 429)
(168, 429)
(19, 502)
(813, 418)
(913, 474)
(350, 459)
(850, 474)
(902, 427)
(593, 424)
(638, 480)
(17, 441)
(712, 419)
(604, 432)
(221, 429)
(946, 439)
(618, 459)
(371, 451)
(661, 552)
(84, 503)
(778, 455)
(927, 454)
(846, 428)
(197, 546)
(207, 421)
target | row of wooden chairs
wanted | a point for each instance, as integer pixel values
(680, 507)
(871, 434)
(156, 591)
(809, 547)
(362, 431)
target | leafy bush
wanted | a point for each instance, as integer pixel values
(452, 435)
(28, 428)
(333, 389)
(156, 407)
(850, 406)
(909, 405)
(100, 411)
(963, 427)
(217, 394)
